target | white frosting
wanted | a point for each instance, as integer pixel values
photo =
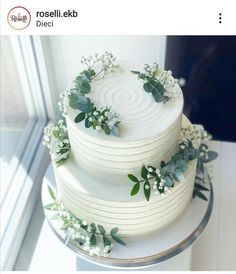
(111, 204)
(148, 133)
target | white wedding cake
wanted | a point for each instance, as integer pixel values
(93, 182)
(127, 162)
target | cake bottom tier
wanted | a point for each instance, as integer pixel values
(111, 205)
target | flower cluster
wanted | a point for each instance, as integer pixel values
(103, 119)
(104, 64)
(57, 141)
(63, 104)
(158, 82)
(196, 134)
(90, 237)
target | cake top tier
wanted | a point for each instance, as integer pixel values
(141, 116)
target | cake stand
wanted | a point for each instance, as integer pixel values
(167, 249)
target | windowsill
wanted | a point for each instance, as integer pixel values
(41, 249)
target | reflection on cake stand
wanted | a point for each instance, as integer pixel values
(167, 249)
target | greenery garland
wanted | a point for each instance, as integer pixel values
(102, 119)
(91, 237)
(158, 82)
(163, 178)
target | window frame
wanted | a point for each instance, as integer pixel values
(31, 158)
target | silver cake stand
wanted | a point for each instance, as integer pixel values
(148, 251)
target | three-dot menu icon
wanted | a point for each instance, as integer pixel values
(220, 18)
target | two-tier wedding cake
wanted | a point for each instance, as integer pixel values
(126, 155)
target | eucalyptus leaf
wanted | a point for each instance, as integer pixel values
(118, 240)
(182, 165)
(93, 228)
(87, 123)
(168, 181)
(106, 129)
(101, 229)
(115, 131)
(93, 240)
(114, 231)
(178, 175)
(50, 206)
(106, 241)
(80, 117)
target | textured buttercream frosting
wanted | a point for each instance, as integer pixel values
(148, 133)
(111, 205)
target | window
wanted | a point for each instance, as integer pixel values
(23, 117)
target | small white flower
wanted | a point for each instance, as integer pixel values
(84, 223)
(147, 186)
(182, 146)
(149, 176)
(155, 182)
(155, 187)
(95, 113)
(150, 169)
(98, 128)
(166, 188)
(90, 119)
(156, 192)
(157, 171)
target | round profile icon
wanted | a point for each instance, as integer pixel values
(18, 18)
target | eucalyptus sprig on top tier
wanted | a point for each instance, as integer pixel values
(162, 179)
(158, 82)
(103, 118)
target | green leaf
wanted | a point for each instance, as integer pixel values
(56, 134)
(148, 87)
(162, 164)
(135, 72)
(198, 193)
(144, 172)
(178, 175)
(168, 181)
(106, 129)
(93, 240)
(182, 165)
(135, 189)
(118, 240)
(83, 85)
(193, 153)
(89, 107)
(52, 194)
(200, 187)
(87, 123)
(93, 228)
(133, 178)
(80, 117)
(84, 105)
(73, 103)
(147, 190)
(114, 231)
(115, 131)
(106, 241)
(50, 206)
(212, 155)
(101, 229)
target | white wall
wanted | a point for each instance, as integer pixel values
(66, 52)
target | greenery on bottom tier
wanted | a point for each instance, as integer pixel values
(91, 237)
